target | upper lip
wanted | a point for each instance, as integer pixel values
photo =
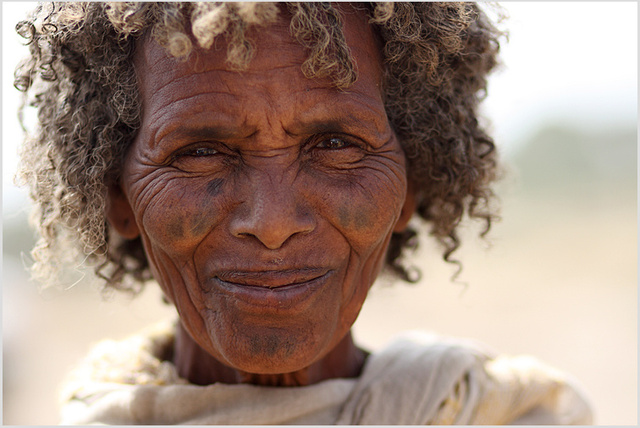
(270, 278)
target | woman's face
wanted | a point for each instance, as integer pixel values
(265, 200)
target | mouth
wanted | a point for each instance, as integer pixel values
(274, 279)
(291, 291)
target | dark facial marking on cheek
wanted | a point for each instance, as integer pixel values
(201, 221)
(344, 215)
(198, 224)
(215, 186)
(176, 228)
(362, 218)
(358, 217)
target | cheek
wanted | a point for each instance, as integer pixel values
(175, 220)
(363, 209)
(366, 211)
(180, 215)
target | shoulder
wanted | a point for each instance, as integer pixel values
(134, 361)
(423, 378)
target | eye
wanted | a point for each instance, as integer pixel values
(333, 143)
(200, 157)
(199, 152)
(337, 151)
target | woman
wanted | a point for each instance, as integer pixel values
(261, 163)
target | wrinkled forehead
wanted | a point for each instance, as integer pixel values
(276, 38)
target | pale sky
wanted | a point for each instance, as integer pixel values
(573, 61)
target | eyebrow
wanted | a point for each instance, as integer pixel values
(348, 120)
(209, 132)
(325, 126)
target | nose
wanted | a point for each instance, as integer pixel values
(272, 213)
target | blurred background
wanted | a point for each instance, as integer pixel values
(556, 278)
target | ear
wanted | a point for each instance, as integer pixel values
(119, 213)
(408, 208)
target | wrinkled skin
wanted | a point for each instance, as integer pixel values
(265, 202)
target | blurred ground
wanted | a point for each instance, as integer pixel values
(559, 282)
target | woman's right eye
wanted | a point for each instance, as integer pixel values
(197, 158)
(199, 152)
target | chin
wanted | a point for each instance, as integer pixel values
(273, 350)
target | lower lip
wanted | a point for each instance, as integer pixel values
(287, 298)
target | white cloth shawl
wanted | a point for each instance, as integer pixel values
(418, 379)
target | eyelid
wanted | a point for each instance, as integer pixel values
(184, 153)
(347, 138)
(197, 146)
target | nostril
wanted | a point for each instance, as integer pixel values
(272, 238)
(272, 231)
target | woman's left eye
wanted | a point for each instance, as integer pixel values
(333, 144)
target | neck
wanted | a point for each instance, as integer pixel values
(345, 360)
